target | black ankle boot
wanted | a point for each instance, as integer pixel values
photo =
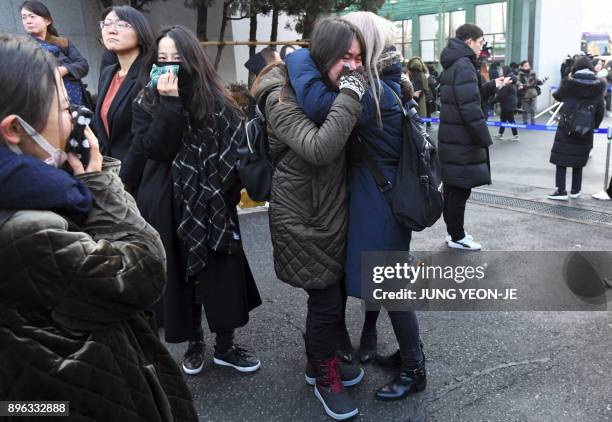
(368, 346)
(410, 379)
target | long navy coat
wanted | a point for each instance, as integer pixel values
(372, 226)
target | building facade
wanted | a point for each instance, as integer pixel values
(541, 31)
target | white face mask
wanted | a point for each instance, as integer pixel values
(57, 157)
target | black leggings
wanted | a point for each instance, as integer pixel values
(406, 328)
(322, 320)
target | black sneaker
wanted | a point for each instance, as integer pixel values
(558, 196)
(330, 391)
(350, 375)
(193, 362)
(237, 358)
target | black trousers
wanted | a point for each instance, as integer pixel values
(455, 199)
(507, 117)
(576, 179)
(224, 339)
(322, 320)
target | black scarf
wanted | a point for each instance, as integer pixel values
(203, 173)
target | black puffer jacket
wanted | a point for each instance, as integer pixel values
(463, 137)
(582, 88)
(72, 303)
(309, 204)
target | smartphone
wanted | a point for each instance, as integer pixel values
(77, 143)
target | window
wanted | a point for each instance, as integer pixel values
(403, 37)
(492, 19)
(452, 21)
(428, 32)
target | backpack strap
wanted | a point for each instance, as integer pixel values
(384, 185)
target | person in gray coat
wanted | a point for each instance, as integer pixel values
(308, 205)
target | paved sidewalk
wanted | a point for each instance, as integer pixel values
(482, 366)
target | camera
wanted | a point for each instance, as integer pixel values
(77, 143)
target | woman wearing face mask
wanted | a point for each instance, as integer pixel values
(371, 224)
(72, 66)
(79, 265)
(127, 33)
(187, 126)
(308, 206)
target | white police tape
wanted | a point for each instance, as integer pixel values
(515, 125)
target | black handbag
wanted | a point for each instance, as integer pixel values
(416, 198)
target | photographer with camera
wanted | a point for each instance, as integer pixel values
(80, 266)
(529, 89)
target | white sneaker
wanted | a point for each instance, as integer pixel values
(575, 195)
(469, 236)
(499, 136)
(516, 138)
(557, 196)
(465, 244)
(602, 196)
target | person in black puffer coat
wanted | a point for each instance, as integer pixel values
(463, 137)
(580, 90)
(507, 97)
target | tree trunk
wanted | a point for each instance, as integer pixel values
(274, 31)
(309, 21)
(226, 4)
(202, 24)
(252, 31)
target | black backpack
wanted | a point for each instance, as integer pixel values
(416, 198)
(580, 121)
(254, 166)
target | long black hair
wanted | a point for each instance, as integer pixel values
(581, 63)
(27, 94)
(204, 91)
(331, 39)
(41, 10)
(139, 23)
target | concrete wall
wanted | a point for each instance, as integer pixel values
(557, 33)
(78, 21)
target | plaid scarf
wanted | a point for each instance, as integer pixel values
(203, 171)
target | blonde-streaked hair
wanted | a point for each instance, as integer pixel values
(378, 34)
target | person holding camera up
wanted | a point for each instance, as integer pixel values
(529, 88)
(79, 265)
(507, 98)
